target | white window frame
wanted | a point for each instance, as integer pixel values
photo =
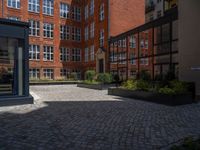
(86, 12)
(76, 54)
(91, 7)
(34, 73)
(34, 52)
(14, 4)
(102, 16)
(48, 53)
(86, 54)
(48, 28)
(101, 38)
(86, 33)
(92, 30)
(34, 7)
(48, 73)
(64, 54)
(64, 10)
(34, 28)
(48, 7)
(64, 32)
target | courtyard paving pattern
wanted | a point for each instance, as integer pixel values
(69, 118)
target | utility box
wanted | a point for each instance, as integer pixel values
(14, 63)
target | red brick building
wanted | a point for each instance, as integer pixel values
(68, 37)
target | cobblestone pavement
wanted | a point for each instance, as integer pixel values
(70, 118)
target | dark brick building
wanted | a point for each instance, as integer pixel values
(68, 37)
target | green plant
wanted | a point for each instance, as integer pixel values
(90, 74)
(129, 84)
(104, 78)
(166, 90)
(142, 85)
(144, 75)
(179, 87)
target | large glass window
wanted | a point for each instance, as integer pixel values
(11, 77)
(64, 32)
(76, 54)
(64, 54)
(34, 5)
(48, 73)
(34, 74)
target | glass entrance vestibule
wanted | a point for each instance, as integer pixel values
(14, 83)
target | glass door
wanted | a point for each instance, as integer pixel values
(7, 66)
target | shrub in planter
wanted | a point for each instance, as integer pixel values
(104, 78)
(167, 91)
(179, 87)
(129, 84)
(89, 75)
(143, 85)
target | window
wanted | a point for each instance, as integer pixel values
(102, 12)
(65, 73)
(48, 30)
(64, 32)
(77, 74)
(101, 39)
(92, 30)
(64, 54)
(48, 53)
(86, 12)
(159, 14)
(76, 13)
(142, 43)
(146, 44)
(132, 42)
(34, 28)
(76, 34)
(86, 33)
(92, 53)
(76, 54)
(64, 10)
(48, 73)
(14, 3)
(86, 54)
(132, 59)
(34, 52)
(91, 7)
(34, 5)
(34, 73)
(48, 7)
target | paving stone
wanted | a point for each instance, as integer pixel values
(67, 117)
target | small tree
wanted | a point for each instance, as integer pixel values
(104, 78)
(89, 75)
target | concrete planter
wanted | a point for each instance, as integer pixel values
(171, 100)
(53, 83)
(95, 86)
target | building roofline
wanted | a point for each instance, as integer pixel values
(14, 22)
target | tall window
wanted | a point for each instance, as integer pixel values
(48, 30)
(34, 28)
(34, 5)
(101, 12)
(14, 3)
(76, 54)
(86, 33)
(92, 53)
(76, 13)
(34, 52)
(76, 34)
(48, 73)
(101, 39)
(91, 7)
(48, 53)
(132, 59)
(34, 73)
(48, 7)
(64, 10)
(86, 54)
(86, 12)
(92, 30)
(64, 32)
(64, 54)
(132, 42)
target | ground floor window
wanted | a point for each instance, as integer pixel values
(34, 74)
(48, 73)
(65, 73)
(77, 74)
